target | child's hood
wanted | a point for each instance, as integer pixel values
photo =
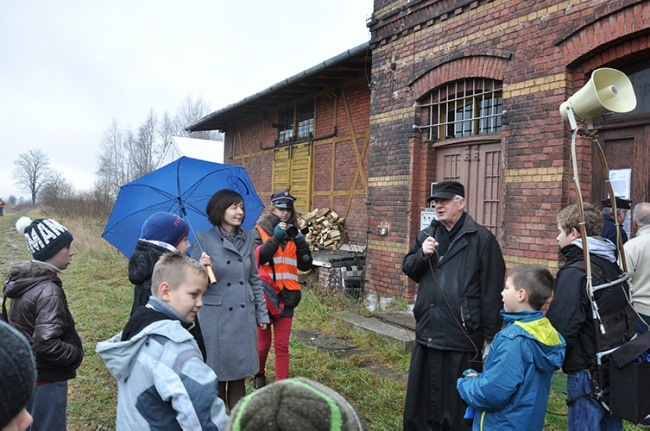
(23, 276)
(549, 347)
(120, 356)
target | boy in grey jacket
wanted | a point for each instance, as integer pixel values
(162, 380)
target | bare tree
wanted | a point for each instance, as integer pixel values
(56, 189)
(190, 113)
(167, 129)
(125, 155)
(113, 157)
(145, 149)
(31, 172)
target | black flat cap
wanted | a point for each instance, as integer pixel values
(621, 204)
(447, 190)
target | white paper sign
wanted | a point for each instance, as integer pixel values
(621, 180)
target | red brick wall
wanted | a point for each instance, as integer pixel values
(542, 51)
(341, 121)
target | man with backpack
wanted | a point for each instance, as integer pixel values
(282, 251)
(571, 313)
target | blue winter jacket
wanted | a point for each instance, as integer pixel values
(512, 391)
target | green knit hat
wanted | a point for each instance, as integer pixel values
(294, 404)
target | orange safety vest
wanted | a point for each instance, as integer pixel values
(284, 263)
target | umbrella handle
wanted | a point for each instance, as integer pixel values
(211, 276)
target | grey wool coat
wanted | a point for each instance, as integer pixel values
(233, 306)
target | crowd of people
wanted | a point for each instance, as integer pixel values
(488, 340)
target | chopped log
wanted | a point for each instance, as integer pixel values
(325, 229)
(307, 218)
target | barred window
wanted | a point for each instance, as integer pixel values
(462, 108)
(297, 121)
(285, 130)
(305, 120)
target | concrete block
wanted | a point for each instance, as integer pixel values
(393, 335)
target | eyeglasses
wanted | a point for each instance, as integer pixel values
(443, 201)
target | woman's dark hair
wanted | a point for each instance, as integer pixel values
(220, 202)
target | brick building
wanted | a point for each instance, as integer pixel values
(308, 133)
(470, 90)
(465, 90)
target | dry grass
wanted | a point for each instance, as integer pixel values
(100, 298)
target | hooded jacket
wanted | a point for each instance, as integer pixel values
(162, 380)
(39, 310)
(141, 264)
(570, 310)
(471, 273)
(512, 391)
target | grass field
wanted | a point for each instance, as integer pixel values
(100, 297)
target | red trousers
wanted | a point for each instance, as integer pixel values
(281, 329)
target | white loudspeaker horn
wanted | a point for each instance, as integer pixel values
(608, 90)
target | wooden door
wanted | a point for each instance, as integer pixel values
(624, 148)
(292, 170)
(478, 168)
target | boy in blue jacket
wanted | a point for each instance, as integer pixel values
(162, 380)
(512, 391)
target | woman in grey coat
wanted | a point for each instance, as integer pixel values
(234, 306)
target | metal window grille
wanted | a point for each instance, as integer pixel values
(462, 108)
(305, 114)
(302, 116)
(286, 126)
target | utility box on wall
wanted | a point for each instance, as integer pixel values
(426, 217)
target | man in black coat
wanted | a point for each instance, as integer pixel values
(610, 220)
(460, 270)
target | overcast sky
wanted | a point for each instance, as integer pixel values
(68, 68)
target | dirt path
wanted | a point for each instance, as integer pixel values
(9, 243)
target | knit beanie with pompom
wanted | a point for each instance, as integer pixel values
(294, 404)
(17, 373)
(45, 237)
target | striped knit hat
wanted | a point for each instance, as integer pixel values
(294, 404)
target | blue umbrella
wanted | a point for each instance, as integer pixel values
(182, 187)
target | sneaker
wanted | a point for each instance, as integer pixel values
(259, 381)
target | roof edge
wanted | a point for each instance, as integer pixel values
(352, 52)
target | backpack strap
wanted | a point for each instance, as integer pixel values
(270, 263)
(596, 270)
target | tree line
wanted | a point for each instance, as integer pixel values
(124, 155)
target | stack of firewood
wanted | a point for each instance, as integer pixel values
(326, 230)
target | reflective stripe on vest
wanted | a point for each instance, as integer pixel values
(284, 263)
